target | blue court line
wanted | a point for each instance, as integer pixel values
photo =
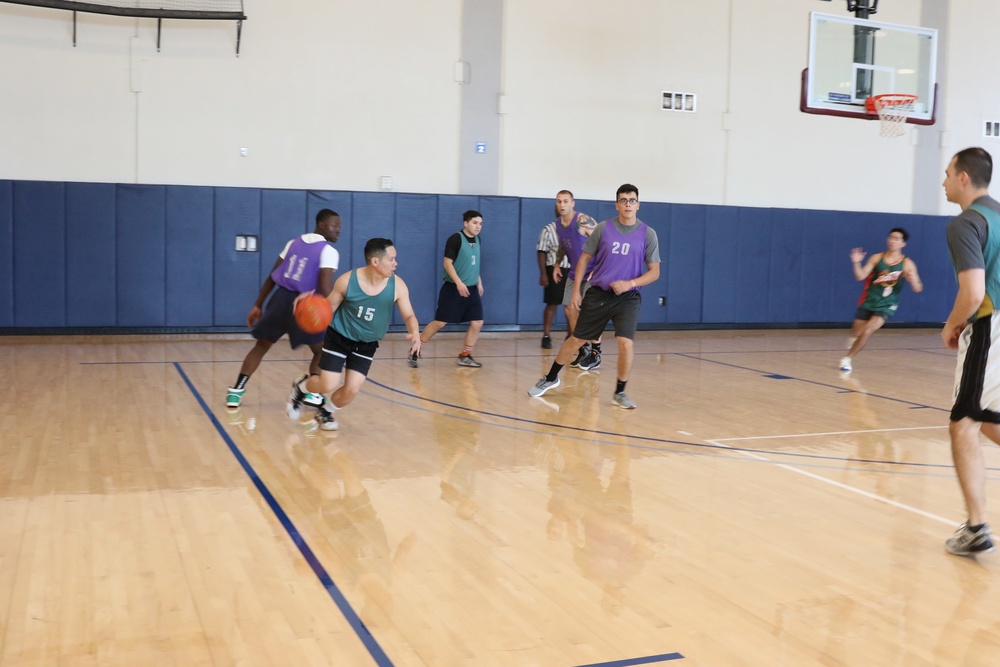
(817, 383)
(637, 661)
(350, 615)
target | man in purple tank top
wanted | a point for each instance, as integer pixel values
(306, 264)
(626, 256)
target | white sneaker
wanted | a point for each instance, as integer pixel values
(845, 365)
(326, 420)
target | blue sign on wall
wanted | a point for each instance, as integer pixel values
(481, 147)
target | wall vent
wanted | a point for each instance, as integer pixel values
(682, 102)
(991, 129)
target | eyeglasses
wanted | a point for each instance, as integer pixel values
(631, 200)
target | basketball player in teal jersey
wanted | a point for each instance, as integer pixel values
(460, 299)
(883, 274)
(362, 302)
(971, 328)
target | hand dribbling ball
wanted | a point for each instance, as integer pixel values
(313, 313)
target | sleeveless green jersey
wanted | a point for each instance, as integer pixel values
(991, 257)
(362, 317)
(466, 264)
(883, 286)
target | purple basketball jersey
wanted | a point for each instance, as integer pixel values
(299, 272)
(571, 241)
(619, 256)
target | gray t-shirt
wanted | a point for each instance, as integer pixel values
(967, 233)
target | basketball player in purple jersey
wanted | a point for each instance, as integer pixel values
(626, 256)
(306, 264)
(572, 231)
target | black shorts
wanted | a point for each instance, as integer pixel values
(454, 308)
(278, 319)
(864, 314)
(339, 351)
(602, 306)
(554, 290)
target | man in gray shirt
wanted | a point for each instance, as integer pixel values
(973, 329)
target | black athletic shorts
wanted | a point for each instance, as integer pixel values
(339, 351)
(454, 308)
(554, 291)
(602, 306)
(278, 319)
(865, 314)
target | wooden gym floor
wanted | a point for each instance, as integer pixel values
(758, 508)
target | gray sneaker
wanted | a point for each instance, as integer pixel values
(968, 543)
(467, 361)
(543, 386)
(622, 400)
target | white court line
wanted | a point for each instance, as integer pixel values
(846, 487)
(811, 435)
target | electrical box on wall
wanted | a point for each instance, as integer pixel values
(246, 243)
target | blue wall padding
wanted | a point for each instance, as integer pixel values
(500, 257)
(90, 255)
(191, 256)
(237, 212)
(682, 269)
(141, 255)
(106, 255)
(417, 252)
(6, 254)
(40, 254)
(720, 293)
(535, 214)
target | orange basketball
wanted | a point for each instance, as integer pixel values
(313, 313)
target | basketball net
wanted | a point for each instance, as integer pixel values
(893, 111)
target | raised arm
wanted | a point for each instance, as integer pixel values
(910, 273)
(862, 272)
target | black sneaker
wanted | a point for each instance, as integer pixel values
(581, 355)
(546, 342)
(968, 543)
(412, 359)
(592, 362)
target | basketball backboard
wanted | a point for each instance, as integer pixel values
(852, 59)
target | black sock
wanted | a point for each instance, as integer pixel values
(554, 372)
(620, 387)
(241, 381)
(596, 347)
(975, 529)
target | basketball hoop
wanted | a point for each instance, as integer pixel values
(893, 110)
